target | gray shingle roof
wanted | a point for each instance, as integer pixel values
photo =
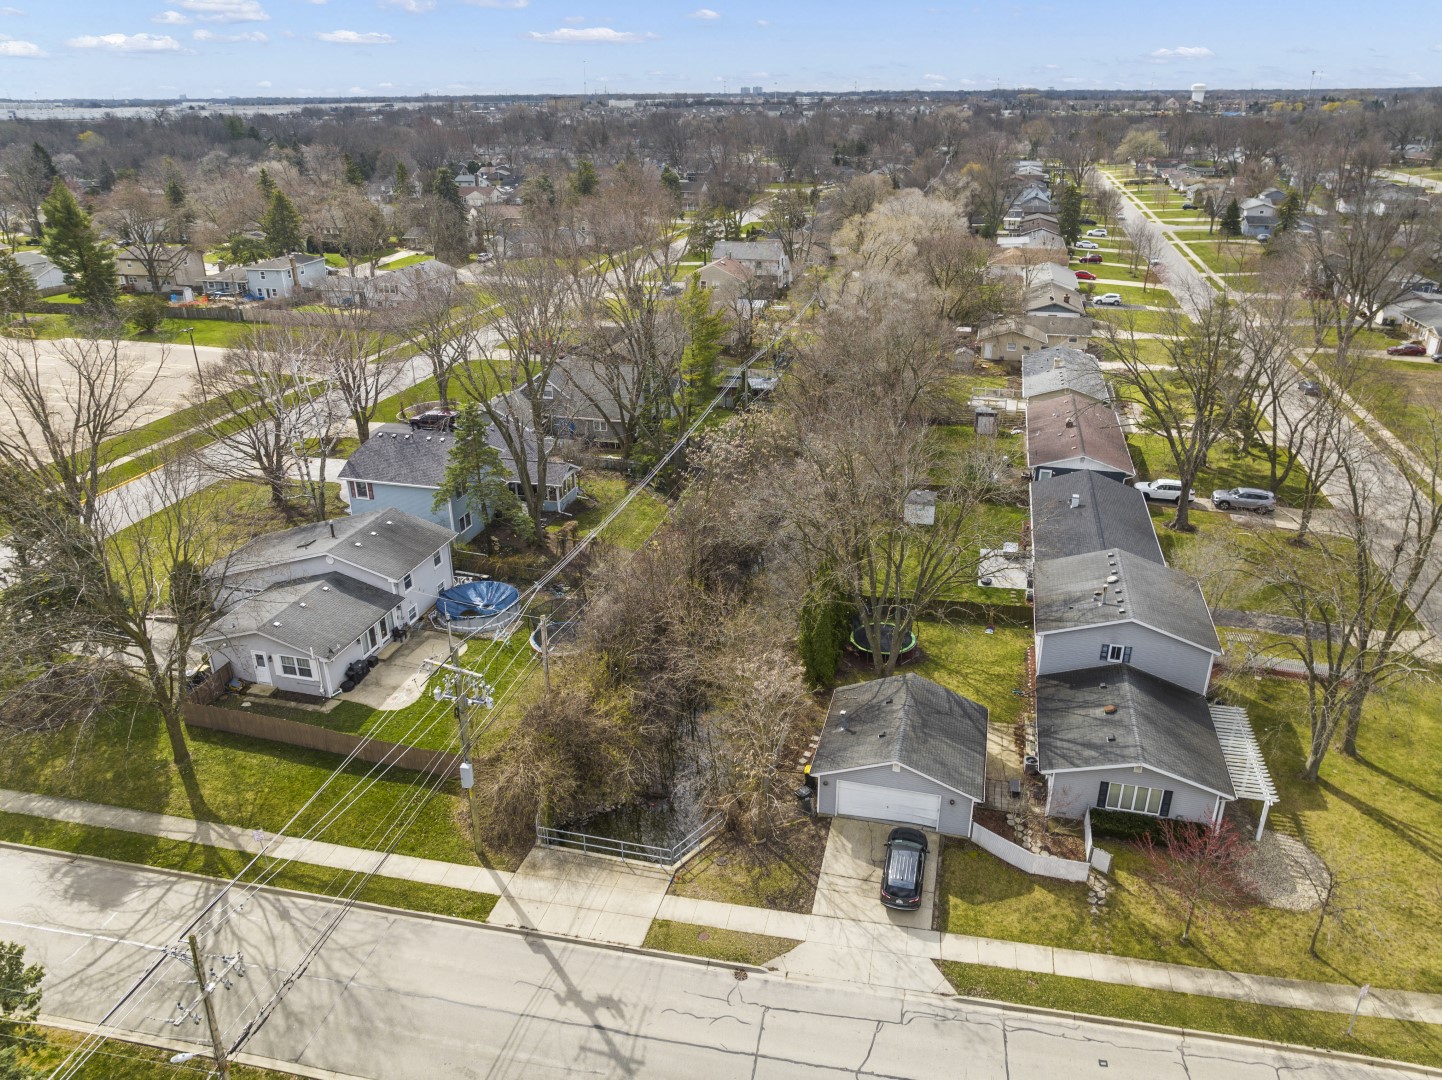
(909, 720)
(391, 543)
(748, 250)
(1156, 724)
(320, 615)
(1145, 592)
(1046, 371)
(396, 455)
(1108, 514)
(1069, 426)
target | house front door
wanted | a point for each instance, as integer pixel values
(262, 669)
(371, 638)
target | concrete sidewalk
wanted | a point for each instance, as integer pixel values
(606, 900)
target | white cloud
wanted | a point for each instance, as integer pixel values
(211, 35)
(354, 37)
(415, 7)
(591, 35)
(264, 84)
(11, 11)
(385, 85)
(1183, 52)
(935, 78)
(126, 42)
(19, 49)
(170, 18)
(704, 13)
(226, 10)
(763, 22)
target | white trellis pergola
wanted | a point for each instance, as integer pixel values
(1250, 778)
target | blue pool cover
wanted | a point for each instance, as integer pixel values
(477, 600)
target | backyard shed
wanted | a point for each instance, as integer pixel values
(902, 750)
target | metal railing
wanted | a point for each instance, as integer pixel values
(626, 849)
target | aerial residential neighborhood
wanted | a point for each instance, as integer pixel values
(617, 546)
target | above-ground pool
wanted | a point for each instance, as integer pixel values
(560, 638)
(861, 640)
(477, 600)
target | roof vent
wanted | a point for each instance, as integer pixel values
(1112, 579)
(302, 603)
(882, 734)
(1070, 422)
(1111, 738)
(390, 522)
(428, 438)
(276, 623)
(374, 533)
(1109, 709)
(325, 588)
(357, 543)
(1075, 500)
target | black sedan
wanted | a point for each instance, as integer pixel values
(904, 870)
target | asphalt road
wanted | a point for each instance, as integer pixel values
(412, 998)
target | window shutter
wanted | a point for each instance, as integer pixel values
(1166, 804)
(1103, 787)
(1106, 651)
(1127, 655)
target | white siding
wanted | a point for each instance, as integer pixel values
(1177, 662)
(1073, 792)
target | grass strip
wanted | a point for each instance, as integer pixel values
(1396, 1039)
(119, 1059)
(167, 854)
(730, 946)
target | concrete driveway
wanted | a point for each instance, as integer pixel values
(850, 883)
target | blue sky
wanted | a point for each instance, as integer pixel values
(135, 48)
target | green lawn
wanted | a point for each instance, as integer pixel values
(1405, 397)
(779, 874)
(1226, 468)
(1143, 322)
(121, 1060)
(988, 668)
(731, 946)
(633, 525)
(1153, 295)
(409, 260)
(221, 333)
(1374, 816)
(1242, 255)
(1421, 1043)
(426, 390)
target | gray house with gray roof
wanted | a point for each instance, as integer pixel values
(1086, 511)
(902, 749)
(1058, 368)
(298, 606)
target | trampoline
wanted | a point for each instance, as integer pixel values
(861, 640)
(478, 601)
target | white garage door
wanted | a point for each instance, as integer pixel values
(887, 804)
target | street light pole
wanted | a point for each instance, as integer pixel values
(195, 353)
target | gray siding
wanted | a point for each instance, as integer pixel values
(955, 819)
(1073, 792)
(1165, 657)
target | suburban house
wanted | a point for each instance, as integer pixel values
(181, 268)
(400, 469)
(1085, 511)
(693, 195)
(1051, 298)
(726, 277)
(1059, 368)
(299, 606)
(1117, 738)
(386, 288)
(1013, 338)
(1028, 249)
(1112, 607)
(585, 401)
(1273, 195)
(1068, 432)
(283, 276)
(227, 281)
(42, 271)
(766, 259)
(1258, 216)
(1031, 223)
(902, 749)
(1421, 314)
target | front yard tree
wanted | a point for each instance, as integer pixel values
(1192, 399)
(1069, 214)
(704, 330)
(147, 226)
(281, 225)
(355, 358)
(442, 322)
(1203, 866)
(476, 473)
(446, 221)
(74, 246)
(1232, 220)
(17, 288)
(19, 1009)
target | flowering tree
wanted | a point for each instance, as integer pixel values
(1201, 865)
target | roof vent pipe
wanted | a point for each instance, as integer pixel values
(1075, 500)
(332, 530)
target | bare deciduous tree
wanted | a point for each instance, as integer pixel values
(1201, 865)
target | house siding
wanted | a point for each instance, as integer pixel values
(1157, 654)
(1071, 465)
(955, 820)
(1072, 793)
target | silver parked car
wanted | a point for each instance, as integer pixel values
(1245, 498)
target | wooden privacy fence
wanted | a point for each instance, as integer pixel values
(201, 713)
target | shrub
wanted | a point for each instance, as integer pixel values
(145, 312)
(1120, 825)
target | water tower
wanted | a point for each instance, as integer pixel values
(1199, 93)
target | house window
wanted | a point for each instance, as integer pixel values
(465, 522)
(436, 559)
(297, 667)
(1116, 654)
(1011, 346)
(1137, 800)
(361, 489)
(406, 584)
(411, 613)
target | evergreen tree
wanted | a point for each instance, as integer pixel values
(671, 181)
(106, 181)
(444, 188)
(585, 181)
(175, 192)
(1290, 212)
(538, 190)
(281, 225)
(704, 330)
(354, 175)
(403, 179)
(1231, 223)
(1069, 214)
(19, 1009)
(234, 127)
(705, 231)
(17, 287)
(42, 158)
(476, 473)
(73, 245)
(265, 183)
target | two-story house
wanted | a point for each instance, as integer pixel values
(299, 606)
(283, 276)
(765, 259)
(178, 267)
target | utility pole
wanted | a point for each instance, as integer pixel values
(221, 1063)
(464, 696)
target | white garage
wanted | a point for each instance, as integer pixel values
(887, 804)
(902, 750)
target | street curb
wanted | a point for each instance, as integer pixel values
(1197, 1033)
(386, 909)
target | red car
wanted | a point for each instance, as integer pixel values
(1085, 275)
(1092, 258)
(1410, 349)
